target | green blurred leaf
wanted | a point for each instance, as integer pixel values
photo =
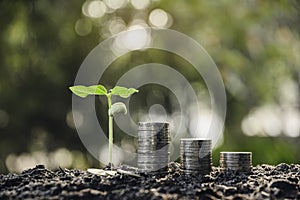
(84, 91)
(123, 91)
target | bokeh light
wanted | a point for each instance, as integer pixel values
(83, 27)
(140, 4)
(159, 18)
(115, 4)
(95, 9)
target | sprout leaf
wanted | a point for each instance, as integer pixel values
(123, 91)
(84, 91)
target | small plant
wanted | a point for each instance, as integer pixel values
(118, 107)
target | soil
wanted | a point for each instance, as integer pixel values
(264, 182)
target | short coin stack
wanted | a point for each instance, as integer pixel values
(153, 146)
(196, 155)
(237, 161)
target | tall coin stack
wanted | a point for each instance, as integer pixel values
(237, 161)
(196, 155)
(153, 146)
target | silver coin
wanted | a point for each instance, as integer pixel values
(154, 132)
(235, 162)
(152, 125)
(184, 162)
(194, 139)
(154, 153)
(151, 137)
(150, 167)
(235, 158)
(235, 153)
(147, 124)
(146, 145)
(152, 164)
(197, 170)
(197, 152)
(194, 144)
(195, 147)
(196, 155)
(152, 143)
(235, 165)
(153, 150)
(154, 147)
(197, 164)
(203, 167)
(153, 161)
(196, 167)
(153, 156)
(196, 160)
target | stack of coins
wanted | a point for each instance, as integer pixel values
(237, 161)
(153, 146)
(196, 155)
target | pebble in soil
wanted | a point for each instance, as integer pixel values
(264, 182)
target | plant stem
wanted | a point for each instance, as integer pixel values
(110, 129)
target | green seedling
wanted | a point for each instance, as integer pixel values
(113, 109)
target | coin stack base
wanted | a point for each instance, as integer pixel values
(236, 161)
(153, 147)
(196, 155)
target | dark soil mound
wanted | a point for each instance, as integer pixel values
(265, 182)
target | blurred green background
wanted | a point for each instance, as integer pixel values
(255, 44)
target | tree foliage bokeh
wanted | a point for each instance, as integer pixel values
(254, 43)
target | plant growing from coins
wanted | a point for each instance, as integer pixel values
(113, 109)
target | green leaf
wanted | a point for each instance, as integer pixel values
(123, 91)
(84, 91)
(100, 89)
(117, 108)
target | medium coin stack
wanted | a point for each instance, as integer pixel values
(196, 155)
(153, 146)
(237, 161)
